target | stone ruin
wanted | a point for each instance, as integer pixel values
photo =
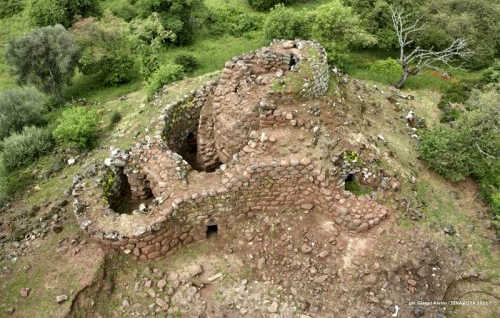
(222, 155)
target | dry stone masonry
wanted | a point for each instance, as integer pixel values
(222, 155)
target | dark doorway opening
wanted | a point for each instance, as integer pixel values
(212, 231)
(189, 151)
(350, 183)
(126, 203)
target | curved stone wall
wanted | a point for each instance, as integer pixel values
(288, 185)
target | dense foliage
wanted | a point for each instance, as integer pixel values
(10, 7)
(175, 15)
(19, 108)
(46, 57)
(78, 127)
(285, 23)
(106, 51)
(166, 74)
(470, 148)
(338, 28)
(264, 5)
(148, 36)
(188, 62)
(231, 20)
(50, 12)
(21, 149)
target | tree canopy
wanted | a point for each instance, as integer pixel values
(46, 57)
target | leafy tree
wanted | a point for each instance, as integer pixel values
(338, 28)
(376, 18)
(18, 108)
(106, 49)
(21, 149)
(46, 57)
(477, 22)
(78, 126)
(50, 12)
(285, 23)
(264, 5)
(174, 15)
(10, 7)
(147, 37)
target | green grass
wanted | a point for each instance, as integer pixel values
(86, 87)
(359, 67)
(213, 53)
(42, 279)
(9, 28)
(357, 189)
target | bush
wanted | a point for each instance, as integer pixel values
(470, 148)
(166, 74)
(492, 74)
(232, 20)
(10, 7)
(106, 50)
(458, 93)
(78, 126)
(18, 108)
(187, 61)
(285, 23)
(264, 5)
(389, 69)
(21, 149)
(148, 37)
(442, 150)
(339, 29)
(115, 117)
(175, 15)
(51, 12)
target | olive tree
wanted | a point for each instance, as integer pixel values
(46, 57)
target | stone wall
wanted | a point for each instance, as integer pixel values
(288, 185)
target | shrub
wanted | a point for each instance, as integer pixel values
(338, 29)
(21, 149)
(10, 7)
(166, 74)
(470, 148)
(232, 20)
(18, 108)
(492, 74)
(388, 69)
(458, 93)
(285, 23)
(46, 57)
(264, 5)
(50, 12)
(115, 117)
(175, 15)
(78, 126)
(148, 36)
(106, 49)
(187, 61)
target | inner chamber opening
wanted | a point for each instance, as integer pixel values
(189, 151)
(127, 201)
(212, 231)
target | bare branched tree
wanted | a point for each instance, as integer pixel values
(419, 58)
